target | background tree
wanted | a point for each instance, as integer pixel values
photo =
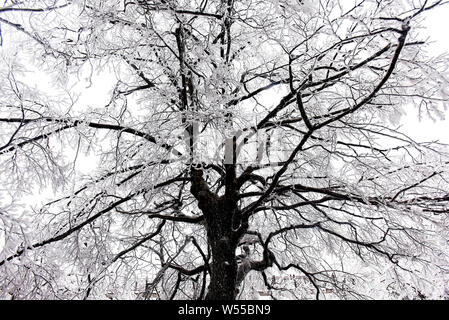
(240, 140)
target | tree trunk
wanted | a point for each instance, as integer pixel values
(221, 221)
(223, 276)
(221, 238)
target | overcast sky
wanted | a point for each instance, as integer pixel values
(437, 28)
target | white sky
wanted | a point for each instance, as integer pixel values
(437, 28)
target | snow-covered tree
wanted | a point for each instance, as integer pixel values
(210, 149)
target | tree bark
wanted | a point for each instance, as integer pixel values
(221, 215)
(223, 276)
(223, 243)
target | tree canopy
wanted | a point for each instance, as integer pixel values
(211, 149)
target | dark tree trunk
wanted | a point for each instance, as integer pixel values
(221, 215)
(223, 243)
(223, 276)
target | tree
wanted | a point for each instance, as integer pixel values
(240, 139)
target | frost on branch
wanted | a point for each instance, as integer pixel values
(220, 149)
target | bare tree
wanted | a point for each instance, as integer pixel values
(240, 140)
